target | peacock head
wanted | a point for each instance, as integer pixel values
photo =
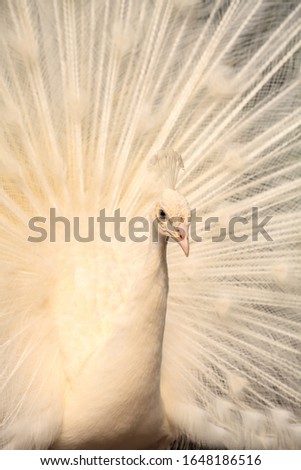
(172, 214)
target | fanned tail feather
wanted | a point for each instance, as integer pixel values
(89, 92)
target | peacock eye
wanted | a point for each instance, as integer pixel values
(162, 214)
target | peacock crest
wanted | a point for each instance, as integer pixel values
(166, 166)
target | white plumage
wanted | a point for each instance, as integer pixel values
(97, 351)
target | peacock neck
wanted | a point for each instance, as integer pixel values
(148, 312)
(151, 294)
(156, 264)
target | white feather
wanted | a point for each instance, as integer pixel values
(89, 92)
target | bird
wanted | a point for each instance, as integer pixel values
(150, 224)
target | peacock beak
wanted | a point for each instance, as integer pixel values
(183, 238)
